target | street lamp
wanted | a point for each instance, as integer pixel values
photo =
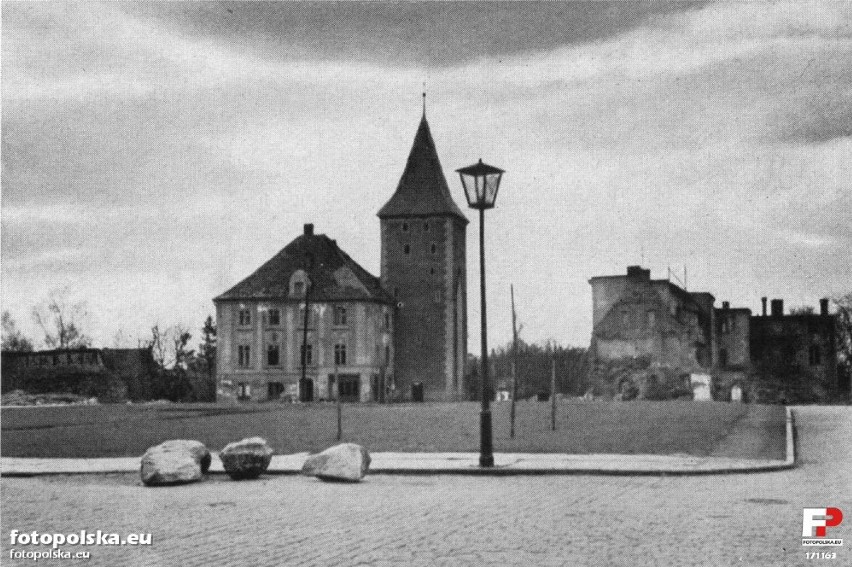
(481, 182)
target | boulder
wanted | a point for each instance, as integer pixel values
(195, 448)
(164, 466)
(344, 462)
(246, 459)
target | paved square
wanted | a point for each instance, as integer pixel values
(751, 519)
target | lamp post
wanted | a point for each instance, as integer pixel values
(481, 182)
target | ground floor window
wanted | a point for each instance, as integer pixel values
(243, 391)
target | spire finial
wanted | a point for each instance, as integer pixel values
(424, 99)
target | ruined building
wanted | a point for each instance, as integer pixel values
(651, 338)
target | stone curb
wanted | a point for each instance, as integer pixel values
(506, 464)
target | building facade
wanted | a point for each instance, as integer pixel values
(423, 267)
(348, 340)
(647, 332)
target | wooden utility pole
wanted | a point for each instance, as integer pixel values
(553, 392)
(339, 405)
(514, 365)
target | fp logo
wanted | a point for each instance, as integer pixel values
(816, 520)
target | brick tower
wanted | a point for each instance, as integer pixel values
(423, 266)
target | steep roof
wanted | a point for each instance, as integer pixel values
(422, 190)
(335, 276)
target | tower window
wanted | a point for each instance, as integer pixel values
(432, 271)
(814, 355)
(723, 357)
(396, 292)
(405, 227)
(406, 249)
(433, 248)
(387, 320)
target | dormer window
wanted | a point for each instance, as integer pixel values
(298, 284)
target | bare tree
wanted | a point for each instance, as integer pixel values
(62, 320)
(13, 339)
(168, 346)
(843, 318)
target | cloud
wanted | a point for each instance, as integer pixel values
(154, 155)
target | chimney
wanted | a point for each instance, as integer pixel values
(823, 306)
(726, 305)
(637, 273)
(777, 307)
(763, 300)
(309, 229)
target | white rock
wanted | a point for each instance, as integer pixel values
(347, 462)
(195, 448)
(164, 467)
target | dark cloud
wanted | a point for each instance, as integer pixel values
(400, 33)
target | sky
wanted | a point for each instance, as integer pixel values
(155, 154)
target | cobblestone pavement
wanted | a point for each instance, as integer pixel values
(749, 519)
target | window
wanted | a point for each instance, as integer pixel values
(340, 354)
(56, 360)
(726, 326)
(405, 227)
(396, 292)
(245, 317)
(274, 317)
(433, 248)
(298, 289)
(243, 391)
(387, 354)
(387, 321)
(652, 318)
(244, 356)
(406, 249)
(426, 226)
(814, 355)
(723, 357)
(272, 357)
(307, 354)
(340, 316)
(437, 296)
(432, 271)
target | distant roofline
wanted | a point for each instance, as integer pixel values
(301, 301)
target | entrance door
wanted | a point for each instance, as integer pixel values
(274, 390)
(350, 388)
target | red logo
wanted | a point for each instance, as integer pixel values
(816, 521)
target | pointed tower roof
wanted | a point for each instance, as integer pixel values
(422, 190)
